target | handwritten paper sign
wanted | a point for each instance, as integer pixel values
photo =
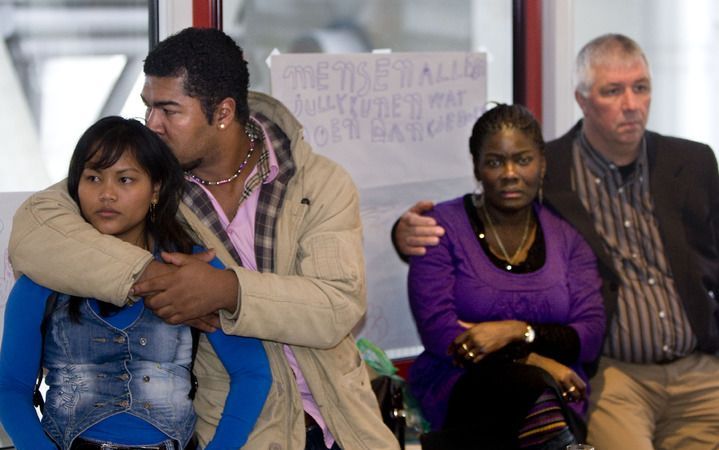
(386, 117)
(400, 124)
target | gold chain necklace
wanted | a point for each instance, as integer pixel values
(490, 223)
(253, 133)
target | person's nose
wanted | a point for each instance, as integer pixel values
(630, 101)
(153, 120)
(108, 192)
(510, 170)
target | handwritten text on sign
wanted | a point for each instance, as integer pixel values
(385, 104)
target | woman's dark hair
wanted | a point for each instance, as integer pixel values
(212, 64)
(105, 142)
(504, 116)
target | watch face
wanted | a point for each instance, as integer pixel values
(529, 335)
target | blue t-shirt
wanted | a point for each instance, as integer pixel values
(244, 359)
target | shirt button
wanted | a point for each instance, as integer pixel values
(147, 405)
(143, 341)
(666, 348)
(627, 223)
(124, 404)
(146, 378)
(711, 294)
(620, 190)
(597, 181)
(119, 339)
(635, 255)
(662, 314)
(124, 377)
(652, 281)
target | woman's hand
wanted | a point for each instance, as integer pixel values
(484, 338)
(573, 387)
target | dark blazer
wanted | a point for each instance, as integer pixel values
(684, 184)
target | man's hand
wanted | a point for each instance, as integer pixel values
(573, 387)
(414, 232)
(190, 292)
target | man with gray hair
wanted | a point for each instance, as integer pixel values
(648, 205)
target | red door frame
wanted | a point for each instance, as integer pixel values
(207, 14)
(527, 54)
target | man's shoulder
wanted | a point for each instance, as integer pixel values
(663, 142)
(676, 151)
(316, 165)
(564, 141)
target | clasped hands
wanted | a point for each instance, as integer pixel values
(481, 339)
(186, 289)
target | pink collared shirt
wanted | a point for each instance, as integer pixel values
(241, 231)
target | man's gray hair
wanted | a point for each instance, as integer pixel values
(599, 50)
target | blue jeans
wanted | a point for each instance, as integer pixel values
(316, 441)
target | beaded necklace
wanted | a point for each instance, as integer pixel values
(253, 132)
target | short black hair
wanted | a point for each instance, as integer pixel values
(504, 116)
(212, 64)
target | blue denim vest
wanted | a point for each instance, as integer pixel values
(96, 370)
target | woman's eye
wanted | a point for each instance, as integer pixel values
(92, 178)
(493, 163)
(125, 180)
(524, 161)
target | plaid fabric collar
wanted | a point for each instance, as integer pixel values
(270, 201)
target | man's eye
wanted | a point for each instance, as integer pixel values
(641, 88)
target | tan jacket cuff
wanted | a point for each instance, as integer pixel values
(228, 319)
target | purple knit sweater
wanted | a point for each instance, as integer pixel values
(456, 281)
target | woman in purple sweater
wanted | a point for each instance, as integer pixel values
(508, 305)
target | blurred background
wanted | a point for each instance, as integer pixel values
(63, 64)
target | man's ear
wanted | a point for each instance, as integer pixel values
(225, 112)
(581, 99)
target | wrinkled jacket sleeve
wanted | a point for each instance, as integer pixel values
(52, 244)
(317, 294)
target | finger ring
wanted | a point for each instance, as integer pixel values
(572, 389)
(465, 347)
(470, 354)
